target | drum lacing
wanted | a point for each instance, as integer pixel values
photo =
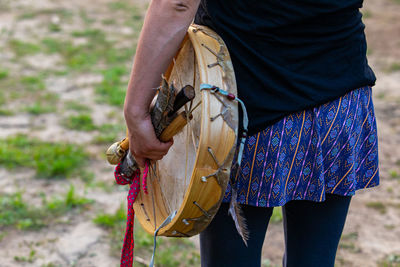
(214, 89)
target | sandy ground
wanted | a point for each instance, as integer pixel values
(369, 236)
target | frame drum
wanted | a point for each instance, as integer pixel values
(186, 187)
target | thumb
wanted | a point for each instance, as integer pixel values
(165, 145)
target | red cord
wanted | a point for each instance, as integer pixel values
(134, 181)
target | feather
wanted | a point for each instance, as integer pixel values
(237, 215)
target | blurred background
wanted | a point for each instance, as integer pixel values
(64, 68)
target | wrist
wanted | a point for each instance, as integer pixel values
(135, 113)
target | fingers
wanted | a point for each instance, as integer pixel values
(153, 150)
(154, 156)
(140, 161)
(143, 142)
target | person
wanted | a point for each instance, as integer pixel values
(301, 70)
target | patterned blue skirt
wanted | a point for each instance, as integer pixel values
(332, 148)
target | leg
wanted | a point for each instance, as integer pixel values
(221, 245)
(313, 230)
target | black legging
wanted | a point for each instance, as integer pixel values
(312, 234)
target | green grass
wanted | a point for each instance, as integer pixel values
(350, 236)
(54, 27)
(60, 12)
(6, 112)
(81, 122)
(112, 89)
(108, 21)
(3, 74)
(394, 174)
(366, 14)
(394, 66)
(109, 133)
(93, 34)
(75, 57)
(276, 215)
(71, 200)
(347, 242)
(267, 263)
(171, 252)
(119, 5)
(97, 52)
(392, 260)
(378, 206)
(30, 258)
(18, 213)
(50, 264)
(73, 105)
(21, 48)
(115, 225)
(50, 160)
(38, 108)
(33, 83)
(2, 98)
(85, 18)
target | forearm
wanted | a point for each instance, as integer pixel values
(164, 28)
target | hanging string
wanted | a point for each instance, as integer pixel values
(134, 189)
(232, 97)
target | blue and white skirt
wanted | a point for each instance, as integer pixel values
(332, 148)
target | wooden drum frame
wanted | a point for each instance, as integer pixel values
(187, 186)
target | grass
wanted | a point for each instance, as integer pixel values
(171, 252)
(394, 66)
(5, 112)
(97, 51)
(16, 212)
(38, 108)
(347, 242)
(33, 83)
(61, 12)
(71, 200)
(109, 133)
(21, 48)
(54, 27)
(2, 98)
(50, 160)
(115, 225)
(112, 89)
(93, 34)
(394, 174)
(85, 18)
(81, 122)
(393, 260)
(3, 74)
(378, 206)
(366, 14)
(276, 215)
(30, 258)
(76, 106)
(267, 263)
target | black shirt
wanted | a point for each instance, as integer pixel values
(289, 55)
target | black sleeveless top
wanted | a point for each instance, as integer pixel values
(290, 55)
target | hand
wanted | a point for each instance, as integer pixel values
(143, 142)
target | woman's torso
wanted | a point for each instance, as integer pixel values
(290, 55)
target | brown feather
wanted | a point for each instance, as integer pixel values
(237, 215)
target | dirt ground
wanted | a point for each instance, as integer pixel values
(371, 236)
